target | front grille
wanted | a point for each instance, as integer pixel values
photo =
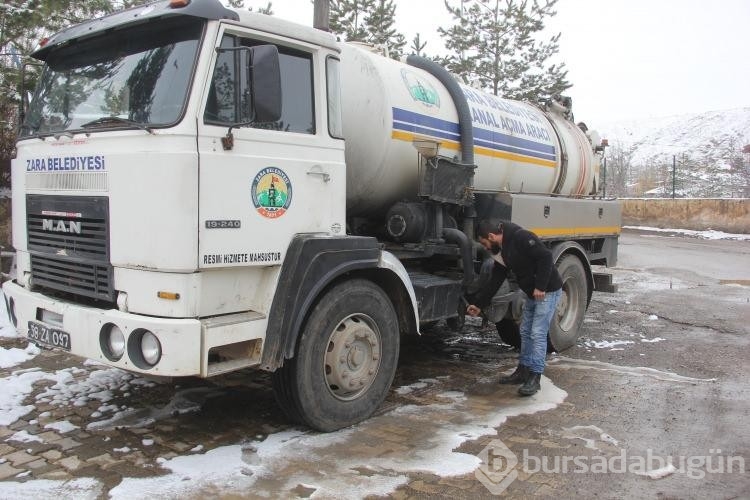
(78, 278)
(91, 242)
(68, 239)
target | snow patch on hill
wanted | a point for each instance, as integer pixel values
(707, 147)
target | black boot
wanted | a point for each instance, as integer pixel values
(531, 385)
(517, 377)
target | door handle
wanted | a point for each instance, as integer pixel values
(318, 170)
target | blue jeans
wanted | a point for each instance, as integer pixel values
(537, 316)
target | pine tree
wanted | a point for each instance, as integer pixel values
(348, 18)
(417, 46)
(381, 31)
(368, 21)
(495, 46)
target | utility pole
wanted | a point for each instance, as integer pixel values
(321, 15)
(674, 171)
(604, 179)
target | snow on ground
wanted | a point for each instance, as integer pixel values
(638, 371)
(62, 426)
(342, 461)
(706, 235)
(653, 340)
(660, 473)
(98, 385)
(24, 437)
(68, 387)
(421, 384)
(14, 356)
(14, 389)
(606, 344)
(41, 489)
(579, 432)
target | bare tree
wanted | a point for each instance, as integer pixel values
(619, 168)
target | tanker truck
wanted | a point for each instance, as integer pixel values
(199, 190)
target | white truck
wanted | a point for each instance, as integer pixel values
(199, 190)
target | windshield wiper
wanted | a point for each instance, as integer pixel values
(104, 120)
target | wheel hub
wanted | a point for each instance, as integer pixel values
(353, 357)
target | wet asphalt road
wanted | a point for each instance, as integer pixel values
(660, 371)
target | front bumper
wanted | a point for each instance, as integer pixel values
(180, 339)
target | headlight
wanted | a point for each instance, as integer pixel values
(112, 341)
(150, 348)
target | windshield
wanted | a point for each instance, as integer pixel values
(136, 77)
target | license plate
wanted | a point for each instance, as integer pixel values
(40, 333)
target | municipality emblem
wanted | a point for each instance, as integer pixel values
(271, 192)
(420, 89)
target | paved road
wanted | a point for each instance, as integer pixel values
(659, 372)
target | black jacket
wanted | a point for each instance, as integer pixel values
(529, 260)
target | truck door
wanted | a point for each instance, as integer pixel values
(279, 178)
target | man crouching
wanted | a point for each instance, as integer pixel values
(522, 252)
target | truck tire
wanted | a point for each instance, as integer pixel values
(345, 360)
(567, 321)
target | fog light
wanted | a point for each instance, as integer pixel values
(150, 348)
(112, 342)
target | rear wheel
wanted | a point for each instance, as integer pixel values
(567, 321)
(345, 361)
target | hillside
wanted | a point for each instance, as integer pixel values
(708, 148)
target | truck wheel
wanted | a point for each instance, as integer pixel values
(345, 360)
(509, 332)
(567, 321)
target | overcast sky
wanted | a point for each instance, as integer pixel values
(627, 59)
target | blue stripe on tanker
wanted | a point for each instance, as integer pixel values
(418, 123)
(485, 144)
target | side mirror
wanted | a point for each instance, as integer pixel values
(260, 87)
(265, 81)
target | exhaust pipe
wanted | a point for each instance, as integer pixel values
(321, 18)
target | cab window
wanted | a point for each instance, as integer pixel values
(226, 94)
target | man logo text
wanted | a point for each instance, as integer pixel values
(61, 226)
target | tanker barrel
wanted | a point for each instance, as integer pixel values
(389, 107)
